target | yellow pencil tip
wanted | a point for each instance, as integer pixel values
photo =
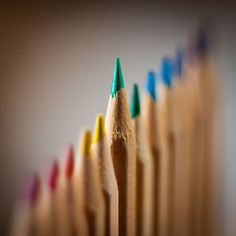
(99, 130)
(85, 143)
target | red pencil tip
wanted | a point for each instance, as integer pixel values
(54, 176)
(69, 167)
(34, 187)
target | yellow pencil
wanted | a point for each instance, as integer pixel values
(103, 161)
(91, 187)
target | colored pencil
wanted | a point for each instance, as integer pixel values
(121, 141)
(150, 121)
(103, 161)
(167, 161)
(144, 174)
(53, 188)
(91, 187)
(25, 215)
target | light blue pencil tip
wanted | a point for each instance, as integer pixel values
(166, 72)
(150, 85)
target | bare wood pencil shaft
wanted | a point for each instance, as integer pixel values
(183, 134)
(206, 74)
(149, 114)
(144, 180)
(123, 151)
(166, 162)
(197, 167)
(63, 214)
(103, 161)
(91, 188)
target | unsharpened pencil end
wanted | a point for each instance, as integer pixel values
(85, 143)
(99, 131)
(69, 167)
(135, 102)
(166, 72)
(118, 81)
(150, 85)
(53, 178)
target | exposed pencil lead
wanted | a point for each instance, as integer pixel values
(135, 102)
(166, 72)
(54, 176)
(99, 131)
(118, 81)
(85, 143)
(150, 85)
(69, 167)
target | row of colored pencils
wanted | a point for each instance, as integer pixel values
(147, 170)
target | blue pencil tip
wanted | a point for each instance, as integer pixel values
(166, 72)
(150, 85)
(178, 62)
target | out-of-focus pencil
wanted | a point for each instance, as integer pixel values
(103, 161)
(123, 151)
(204, 69)
(91, 187)
(144, 174)
(167, 161)
(53, 186)
(25, 216)
(183, 129)
(64, 201)
(150, 120)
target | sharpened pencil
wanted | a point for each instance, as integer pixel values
(103, 161)
(91, 187)
(150, 120)
(144, 174)
(121, 141)
(167, 161)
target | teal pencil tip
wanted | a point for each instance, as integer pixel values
(118, 81)
(135, 102)
(150, 85)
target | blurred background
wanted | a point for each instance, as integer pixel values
(55, 75)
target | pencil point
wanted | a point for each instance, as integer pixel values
(135, 102)
(54, 176)
(166, 72)
(150, 85)
(34, 189)
(69, 167)
(99, 131)
(118, 81)
(85, 143)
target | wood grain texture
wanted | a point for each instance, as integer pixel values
(123, 151)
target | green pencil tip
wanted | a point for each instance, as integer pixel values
(135, 102)
(118, 81)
